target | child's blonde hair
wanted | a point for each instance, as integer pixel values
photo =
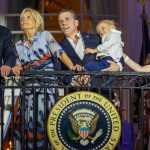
(106, 21)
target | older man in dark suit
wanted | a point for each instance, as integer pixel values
(7, 53)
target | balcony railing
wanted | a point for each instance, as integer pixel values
(131, 90)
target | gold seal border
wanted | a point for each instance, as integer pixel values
(78, 96)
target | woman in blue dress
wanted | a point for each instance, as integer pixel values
(35, 52)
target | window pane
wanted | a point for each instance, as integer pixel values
(102, 7)
(13, 23)
(17, 37)
(51, 23)
(16, 6)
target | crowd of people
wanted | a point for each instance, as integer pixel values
(77, 51)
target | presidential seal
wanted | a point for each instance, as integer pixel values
(84, 121)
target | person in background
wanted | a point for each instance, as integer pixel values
(110, 49)
(7, 54)
(75, 42)
(36, 52)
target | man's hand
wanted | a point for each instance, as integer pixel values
(5, 70)
(113, 66)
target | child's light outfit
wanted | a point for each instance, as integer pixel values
(110, 49)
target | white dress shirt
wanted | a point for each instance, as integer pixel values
(79, 47)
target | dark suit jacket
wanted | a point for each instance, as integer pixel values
(7, 48)
(90, 41)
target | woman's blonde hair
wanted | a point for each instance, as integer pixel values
(37, 17)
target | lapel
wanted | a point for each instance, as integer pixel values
(85, 39)
(69, 49)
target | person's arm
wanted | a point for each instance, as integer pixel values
(9, 57)
(58, 52)
(135, 66)
(113, 66)
(66, 60)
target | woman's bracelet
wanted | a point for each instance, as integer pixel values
(126, 58)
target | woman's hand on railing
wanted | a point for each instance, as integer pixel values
(16, 70)
(77, 68)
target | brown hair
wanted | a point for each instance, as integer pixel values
(74, 16)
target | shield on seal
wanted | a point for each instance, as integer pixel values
(84, 132)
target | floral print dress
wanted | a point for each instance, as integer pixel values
(37, 56)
